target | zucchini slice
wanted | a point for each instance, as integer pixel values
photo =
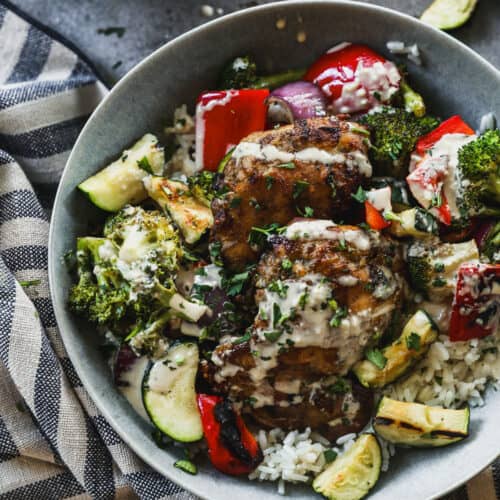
(415, 222)
(448, 14)
(120, 183)
(415, 424)
(354, 473)
(418, 334)
(190, 215)
(169, 394)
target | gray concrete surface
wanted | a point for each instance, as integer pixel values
(150, 23)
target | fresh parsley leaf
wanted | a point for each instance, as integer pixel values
(308, 212)
(376, 357)
(360, 195)
(298, 188)
(439, 267)
(273, 336)
(234, 285)
(235, 202)
(341, 386)
(330, 455)
(339, 314)
(279, 288)
(413, 341)
(242, 339)
(286, 264)
(215, 252)
(269, 180)
(144, 164)
(290, 165)
(276, 314)
(258, 235)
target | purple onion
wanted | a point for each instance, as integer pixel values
(295, 101)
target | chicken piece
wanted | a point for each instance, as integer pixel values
(324, 292)
(273, 175)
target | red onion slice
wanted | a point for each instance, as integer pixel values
(295, 101)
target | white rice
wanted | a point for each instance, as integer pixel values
(412, 52)
(294, 457)
(452, 373)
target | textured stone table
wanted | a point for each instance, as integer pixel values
(145, 25)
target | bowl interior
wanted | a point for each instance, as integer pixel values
(453, 79)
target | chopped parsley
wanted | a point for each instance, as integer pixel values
(439, 267)
(308, 212)
(438, 282)
(258, 235)
(413, 341)
(376, 357)
(436, 200)
(144, 164)
(341, 386)
(269, 180)
(242, 339)
(360, 195)
(215, 252)
(339, 314)
(276, 314)
(303, 300)
(273, 336)
(234, 284)
(235, 202)
(279, 288)
(290, 165)
(298, 188)
(286, 264)
(330, 455)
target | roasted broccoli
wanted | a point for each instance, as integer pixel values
(433, 266)
(126, 278)
(242, 73)
(491, 245)
(394, 133)
(478, 176)
(201, 186)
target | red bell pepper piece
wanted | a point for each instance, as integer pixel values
(340, 66)
(374, 218)
(453, 125)
(476, 305)
(225, 117)
(231, 446)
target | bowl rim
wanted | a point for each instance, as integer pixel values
(188, 482)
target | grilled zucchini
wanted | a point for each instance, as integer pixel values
(354, 473)
(120, 183)
(191, 215)
(418, 334)
(415, 222)
(420, 425)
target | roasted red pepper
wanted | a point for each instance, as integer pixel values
(374, 218)
(231, 446)
(225, 117)
(343, 65)
(476, 305)
(453, 125)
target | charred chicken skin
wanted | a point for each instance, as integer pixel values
(323, 292)
(274, 175)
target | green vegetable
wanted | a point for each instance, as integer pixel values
(121, 182)
(201, 186)
(224, 161)
(415, 222)
(418, 334)
(448, 14)
(394, 133)
(330, 455)
(354, 473)
(433, 266)
(413, 101)
(414, 424)
(376, 357)
(242, 73)
(491, 246)
(186, 466)
(478, 175)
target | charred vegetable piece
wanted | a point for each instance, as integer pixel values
(241, 73)
(419, 425)
(341, 74)
(418, 334)
(190, 215)
(476, 305)
(223, 118)
(120, 183)
(353, 474)
(231, 446)
(169, 394)
(415, 222)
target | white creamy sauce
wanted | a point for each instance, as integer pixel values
(131, 385)
(327, 230)
(270, 153)
(212, 276)
(347, 280)
(440, 162)
(380, 198)
(371, 85)
(107, 251)
(288, 386)
(388, 286)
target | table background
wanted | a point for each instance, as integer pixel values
(149, 24)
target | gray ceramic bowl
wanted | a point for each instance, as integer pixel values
(453, 79)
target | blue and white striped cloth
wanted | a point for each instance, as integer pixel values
(53, 442)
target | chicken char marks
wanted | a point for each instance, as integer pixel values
(273, 175)
(323, 292)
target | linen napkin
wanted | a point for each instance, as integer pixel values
(54, 444)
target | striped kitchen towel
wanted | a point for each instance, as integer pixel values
(53, 442)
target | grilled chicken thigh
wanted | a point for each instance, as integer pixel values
(323, 292)
(274, 175)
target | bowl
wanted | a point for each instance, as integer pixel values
(453, 79)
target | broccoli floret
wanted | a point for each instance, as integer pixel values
(491, 245)
(433, 265)
(201, 186)
(394, 133)
(478, 175)
(242, 73)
